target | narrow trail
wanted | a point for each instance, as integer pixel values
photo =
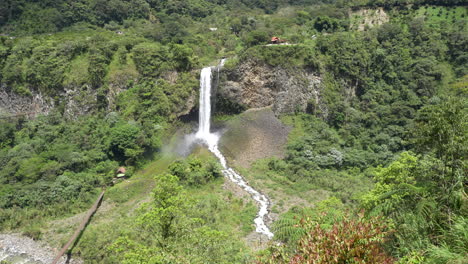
(212, 139)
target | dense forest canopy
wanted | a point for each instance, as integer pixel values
(29, 15)
(385, 146)
(32, 16)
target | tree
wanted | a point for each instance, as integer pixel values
(125, 142)
(167, 232)
(169, 203)
(327, 24)
(100, 55)
(194, 171)
(151, 59)
(393, 184)
(443, 129)
(256, 37)
(7, 130)
(183, 57)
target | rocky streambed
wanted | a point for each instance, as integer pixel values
(16, 249)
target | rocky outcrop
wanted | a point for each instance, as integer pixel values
(78, 101)
(75, 101)
(254, 84)
(12, 103)
(367, 18)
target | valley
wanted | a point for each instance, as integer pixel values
(217, 143)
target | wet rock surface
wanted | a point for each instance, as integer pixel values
(253, 135)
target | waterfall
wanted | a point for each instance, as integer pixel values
(205, 103)
(211, 139)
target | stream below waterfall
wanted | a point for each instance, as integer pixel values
(212, 139)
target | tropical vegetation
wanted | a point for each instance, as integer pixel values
(387, 144)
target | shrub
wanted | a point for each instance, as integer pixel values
(286, 56)
(194, 172)
(256, 37)
(352, 240)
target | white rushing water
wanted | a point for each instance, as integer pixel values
(211, 140)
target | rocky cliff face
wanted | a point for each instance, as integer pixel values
(254, 84)
(75, 101)
(12, 103)
(368, 18)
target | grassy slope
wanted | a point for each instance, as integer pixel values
(116, 216)
(120, 202)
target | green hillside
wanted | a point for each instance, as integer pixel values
(374, 171)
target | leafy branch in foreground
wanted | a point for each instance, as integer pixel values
(352, 240)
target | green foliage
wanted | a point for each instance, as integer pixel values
(279, 55)
(124, 140)
(66, 159)
(378, 86)
(183, 57)
(327, 24)
(256, 37)
(52, 162)
(351, 240)
(394, 184)
(195, 172)
(152, 60)
(426, 194)
(169, 233)
(44, 63)
(389, 84)
(169, 203)
(416, 3)
(99, 59)
(288, 228)
(192, 8)
(47, 65)
(398, 196)
(317, 154)
(7, 130)
(453, 249)
(443, 128)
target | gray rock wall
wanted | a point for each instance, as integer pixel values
(12, 103)
(254, 84)
(75, 100)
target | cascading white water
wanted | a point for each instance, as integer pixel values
(211, 139)
(205, 103)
